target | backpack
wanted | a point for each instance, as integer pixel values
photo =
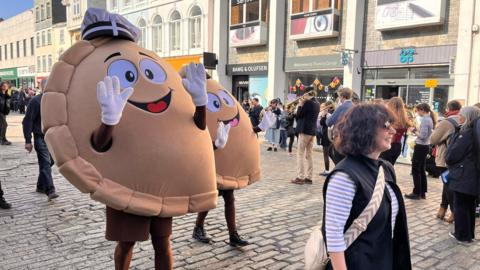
(456, 129)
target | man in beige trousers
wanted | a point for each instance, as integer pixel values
(307, 113)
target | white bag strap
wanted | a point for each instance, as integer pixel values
(360, 224)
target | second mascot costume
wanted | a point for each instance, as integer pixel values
(237, 154)
(122, 126)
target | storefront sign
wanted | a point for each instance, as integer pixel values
(431, 83)
(407, 56)
(398, 14)
(8, 73)
(247, 69)
(419, 56)
(26, 71)
(309, 63)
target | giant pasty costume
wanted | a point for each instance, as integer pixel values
(238, 163)
(159, 162)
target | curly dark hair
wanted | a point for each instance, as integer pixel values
(356, 132)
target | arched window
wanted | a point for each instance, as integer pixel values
(175, 31)
(195, 27)
(143, 33)
(157, 34)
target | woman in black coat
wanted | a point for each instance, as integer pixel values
(463, 175)
(325, 111)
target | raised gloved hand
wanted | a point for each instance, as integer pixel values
(222, 135)
(111, 100)
(195, 82)
(267, 121)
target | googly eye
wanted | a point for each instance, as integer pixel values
(226, 98)
(125, 71)
(153, 71)
(214, 103)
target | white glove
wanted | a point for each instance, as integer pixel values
(267, 121)
(111, 100)
(222, 135)
(195, 82)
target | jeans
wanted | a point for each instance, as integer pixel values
(420, 153)
(283, 138)
(45, 180)
(3, 127)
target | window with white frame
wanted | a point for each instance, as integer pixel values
(37, 14)
(114, 4)
(49, 37)
(24, 48)
(143, 33)
(49, 62)
(76, 8)
(175, 30)
(310, 19)
(62, 36)
(39, 64)
(157, 38)
(43, 38)
(49, 10)
(42, 10)
(44, 63)
(304, 6)
(38, 39)
(195, 27)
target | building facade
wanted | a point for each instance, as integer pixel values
(379, 48)
(50, 15)
(178, 31)
(75, 11)
(17, 50)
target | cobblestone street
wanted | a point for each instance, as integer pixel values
(273, 214)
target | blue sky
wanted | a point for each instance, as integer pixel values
(10, 8)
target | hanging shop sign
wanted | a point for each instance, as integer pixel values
(401, 14)
(247, 69)
(431, 83)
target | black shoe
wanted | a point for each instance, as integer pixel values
(237, 241)
(5, 142)
(39, 190)
(424, 197)
(200, 235)
(308, 181)
(52, 196)
(412, 196)
(269, 149)
(4, 204)
(275, 149)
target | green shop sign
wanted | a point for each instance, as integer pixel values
(8, 74)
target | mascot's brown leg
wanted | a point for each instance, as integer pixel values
(199, 232)
(161, 230)
(123, 255)
(235, 239)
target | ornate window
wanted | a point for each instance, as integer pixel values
(175, 31)
(195, 27)
(157, 34)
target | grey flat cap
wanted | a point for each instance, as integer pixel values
(99, 22)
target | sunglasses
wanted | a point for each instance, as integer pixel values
(387, 126)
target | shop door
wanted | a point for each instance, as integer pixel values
(386, 92)
(241, 93)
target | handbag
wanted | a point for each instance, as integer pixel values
(316, 257)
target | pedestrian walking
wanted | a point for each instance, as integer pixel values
(254, 112)
(383, 243)
(32, 123)
(326, 110)
(427, 122)
(441, 138)
(401, 126)
(345, 103)
(307, 114)
(462, 158)
(4, 111)
(272, 136)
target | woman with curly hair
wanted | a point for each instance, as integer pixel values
(362, 135)
(401, 125)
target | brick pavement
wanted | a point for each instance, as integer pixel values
(275, 215)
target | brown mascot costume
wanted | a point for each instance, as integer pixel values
(237, 155)
(122, 126)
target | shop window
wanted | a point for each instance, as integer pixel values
(143, 33)
(248, 11)
(312, 19)
(237, 15)
(393, 73)
(175, 31)
(369, 74)
(248, 25)
(252, 11)
(157, 38)
(195, 25)
(325, 83)
(429, 73)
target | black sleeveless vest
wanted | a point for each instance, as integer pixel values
(374, 248)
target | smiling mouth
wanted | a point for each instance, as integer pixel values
(234, 121)
(157, 106)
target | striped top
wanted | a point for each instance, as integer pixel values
(340, 192)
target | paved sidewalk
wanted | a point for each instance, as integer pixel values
(275, 215)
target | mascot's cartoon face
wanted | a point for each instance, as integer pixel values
(238, 163)
(159, 162)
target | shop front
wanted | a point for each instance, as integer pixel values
(26, 77)
(323, 74)
(9, 75)
(249, 80)
(417, 75)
